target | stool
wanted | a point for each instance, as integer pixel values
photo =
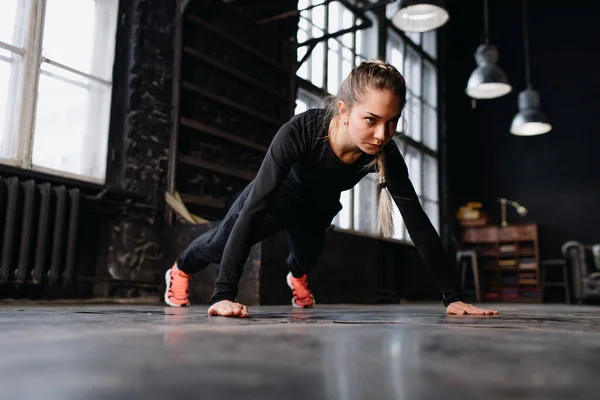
(463, 256)
(556, 263)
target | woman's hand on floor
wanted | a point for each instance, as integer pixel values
(460, 308)
(226, 308)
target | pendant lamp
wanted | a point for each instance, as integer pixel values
(530, 120)
(420, 16)
(487, 81)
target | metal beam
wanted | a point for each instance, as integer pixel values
(357, 11)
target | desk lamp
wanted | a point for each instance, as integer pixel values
(503, 202)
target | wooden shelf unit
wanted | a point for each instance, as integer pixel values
(510, 259)
(234, 88)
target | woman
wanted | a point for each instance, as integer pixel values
(311, 160)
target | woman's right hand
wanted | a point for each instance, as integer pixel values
(226, 308)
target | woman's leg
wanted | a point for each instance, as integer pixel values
(306, 241)
(208, 248)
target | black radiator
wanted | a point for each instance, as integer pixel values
(38, 228)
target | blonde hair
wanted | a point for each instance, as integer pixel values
(371, 75)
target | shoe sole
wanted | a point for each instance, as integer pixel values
(168, 282)
(287, 279)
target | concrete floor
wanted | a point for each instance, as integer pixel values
(330, 352)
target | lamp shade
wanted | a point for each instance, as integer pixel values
(530, 120)
(487, 81)
(419, 16)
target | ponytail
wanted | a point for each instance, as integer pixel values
(385, 218)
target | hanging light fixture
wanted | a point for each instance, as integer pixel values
(487, 81)
(530, 120)
(420, 16)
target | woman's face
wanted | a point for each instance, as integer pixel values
(373, 121)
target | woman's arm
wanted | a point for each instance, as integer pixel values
(423, 234)
(287, 147)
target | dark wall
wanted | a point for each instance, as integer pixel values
(139, 138)
(351, 269)
(554, 175)
(142, 96)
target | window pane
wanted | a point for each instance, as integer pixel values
(430, 43)
(399, 228)
(303, 23)
(333, 44)
(347, 53)
(334, 17)
(413, 162)
(397, 58)
(316, 32)
(413, 71)
(13, 15)
(429, 84)
(358, 60)
(430, 127)
(347, 20)
(302, 37)
(414, 36)
(348, 40)
(302, 4)
(71, 126)
(346, 68)
(432, 209)
(430, 174)
(316, 62)
(85, 42)
(365, 205)
(401, 144)
(318, 16)
(343, 219)
(333, 72)
(300, 107)
(412, 114)
(303, 70)
(391, 10)
(10, 68)
(308, 100)
(398, 224)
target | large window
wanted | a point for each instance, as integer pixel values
(418, 135)
(415, 56)
(56, 59)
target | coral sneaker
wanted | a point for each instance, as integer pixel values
(178, 283)
(303, 298)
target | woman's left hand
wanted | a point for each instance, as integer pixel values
(460, 308)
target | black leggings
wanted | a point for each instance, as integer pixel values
(306, 237)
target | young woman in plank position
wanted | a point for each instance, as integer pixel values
(311, 160)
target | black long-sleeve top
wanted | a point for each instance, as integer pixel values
(301, 167)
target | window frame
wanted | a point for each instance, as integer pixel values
(25, 107)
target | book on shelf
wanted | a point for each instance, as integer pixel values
(527, 281)
(527, 266)
(507, 263)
